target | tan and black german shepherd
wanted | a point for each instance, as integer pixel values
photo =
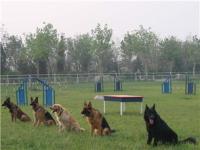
(16, 112)
(41, 115)
(99, 125)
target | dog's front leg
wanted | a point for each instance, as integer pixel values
(62, 127)
(12, 117)
(35, 122)
(100, 131)
(15, 118)
(149, 139)
(38, 123)
(59, 127)
(155, 142)
(92, 131)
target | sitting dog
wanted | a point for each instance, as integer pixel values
(99, 125)
(64, 119)
(16, 112)
(41, 115)
(159, 130)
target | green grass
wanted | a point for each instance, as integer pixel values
(181, 112)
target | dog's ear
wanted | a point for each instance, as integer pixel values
(8, 99)
(153, 107)
(85, 104)
(146, 107)
(60, 109)
(31, 99)
(90, 104)
(36, 99)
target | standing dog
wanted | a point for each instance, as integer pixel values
(159, 130)
(41, 115)
(64, 119)
(99, 125)
(15, 111)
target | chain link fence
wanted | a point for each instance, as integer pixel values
(92, 77)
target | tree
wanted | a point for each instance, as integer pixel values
(196, 54)
(42, 46)
(191, 53)
(3, 60)
(25, 64)
(79, 50)
(102, 47)
(61, 55)
(83, 44)
(140, 46)
(11, 49)
(171, 58)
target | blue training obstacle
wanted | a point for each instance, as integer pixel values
(190, 86)
(167, 86)
(48, 93)
(117, 84)
(21, 94)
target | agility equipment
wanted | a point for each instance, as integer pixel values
(48, 92)
(117, 84)
(167, 85)
(99, 85)
(190, 86)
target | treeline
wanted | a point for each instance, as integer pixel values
(47, 52)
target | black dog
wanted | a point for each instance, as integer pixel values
(159, 130)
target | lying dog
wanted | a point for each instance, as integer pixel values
(99, 125)
(64, 119)
(41, 115)
(159, 130)
(16, 112)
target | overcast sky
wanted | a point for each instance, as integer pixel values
(181, 19)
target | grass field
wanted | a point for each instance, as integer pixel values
(180, 111)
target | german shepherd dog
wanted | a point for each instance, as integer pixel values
(159, 130)
(65, 119)
(16, 112)
(99, 125)
(41, 115)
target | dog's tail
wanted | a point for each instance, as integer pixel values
(190, 140)
(49, 117)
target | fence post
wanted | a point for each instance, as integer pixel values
(77, 79)
(153, 76)
(54, 78)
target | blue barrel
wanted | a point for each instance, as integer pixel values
(190, 87)
(98, 86)
(118, 85)
(166, 87)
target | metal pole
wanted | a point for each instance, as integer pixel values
(141, 107)
(121, 111)
(104, 106)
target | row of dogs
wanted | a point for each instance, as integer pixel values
(64, 120)
(157, 129)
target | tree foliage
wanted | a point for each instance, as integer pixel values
(42, 46)
(102, 46)
(140, 50)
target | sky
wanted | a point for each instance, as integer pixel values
(166, 18)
